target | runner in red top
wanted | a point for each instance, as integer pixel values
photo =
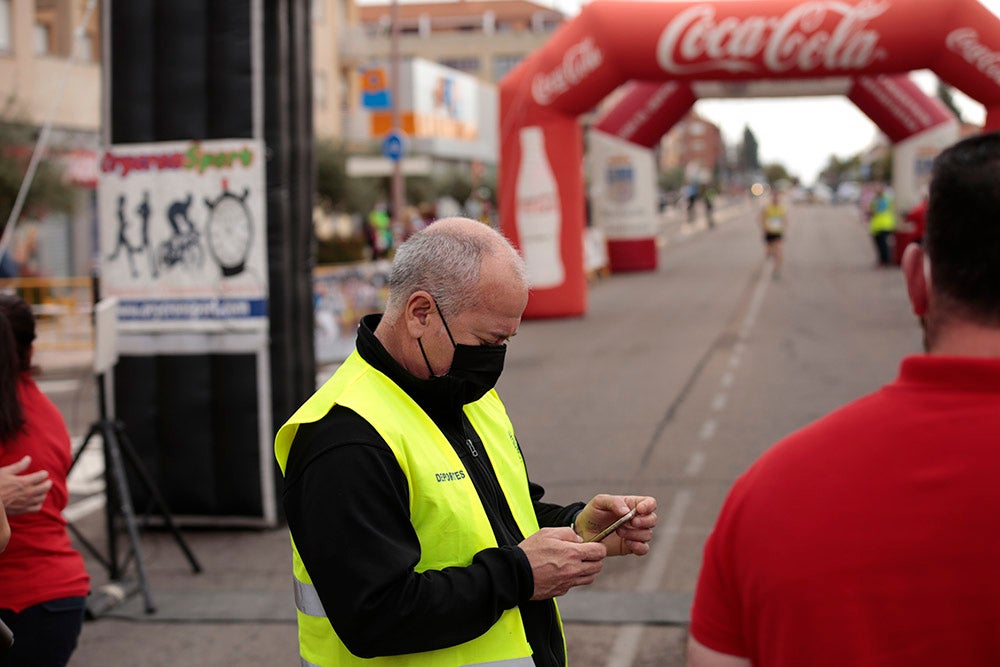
(870, 537)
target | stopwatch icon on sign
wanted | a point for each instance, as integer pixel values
(229, 230)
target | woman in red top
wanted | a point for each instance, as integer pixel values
(43, 583)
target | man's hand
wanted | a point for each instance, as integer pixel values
(23, 493)
(633, 537)
(560, 560)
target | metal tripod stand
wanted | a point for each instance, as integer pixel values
(118, 451)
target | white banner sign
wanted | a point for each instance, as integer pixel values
(622, 187)
(183, 234)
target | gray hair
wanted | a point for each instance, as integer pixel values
(445, 262)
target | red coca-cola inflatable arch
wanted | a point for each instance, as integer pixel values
(663, 52)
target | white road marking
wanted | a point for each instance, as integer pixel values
(695, 464)
(628, 638)
(626, 645)
(707, 430)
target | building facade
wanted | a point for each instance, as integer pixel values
(335, 78)
(486, 39)
(696, 146)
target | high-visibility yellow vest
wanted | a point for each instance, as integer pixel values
(445, 509)
(883, 221)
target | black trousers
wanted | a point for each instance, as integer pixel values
(882, 248)
(44, 634)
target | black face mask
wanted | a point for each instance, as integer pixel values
(474, 370)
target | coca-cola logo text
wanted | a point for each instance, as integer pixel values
(545, 202)
(696, 42)
(965, 42)
(579, 60)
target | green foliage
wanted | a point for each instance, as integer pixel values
(748, 155)
(776, 172)
(837, 171)
(48, 192)
(335, 191)
(671, 180)
(454, 184)
(944, 93)
(420, 189)
(339, 250)
(882, 169)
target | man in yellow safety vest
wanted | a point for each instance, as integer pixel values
(417, 538)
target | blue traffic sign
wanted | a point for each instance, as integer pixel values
(392, 146)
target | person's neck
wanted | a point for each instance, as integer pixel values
(967, 339)
(392, 335)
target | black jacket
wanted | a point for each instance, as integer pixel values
(347, 505)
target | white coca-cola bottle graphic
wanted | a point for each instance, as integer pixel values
(538, 213)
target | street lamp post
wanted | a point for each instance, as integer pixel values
(397, 167)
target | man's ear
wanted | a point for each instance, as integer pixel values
(917, 278)
(416, 313)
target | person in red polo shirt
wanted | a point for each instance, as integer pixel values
(43, 582)
(870, 537)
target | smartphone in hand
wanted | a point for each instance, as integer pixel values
(613, 527)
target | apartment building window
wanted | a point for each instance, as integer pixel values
(43, 39)
(44, 32)
(503, 64)
(470, 65)
(4, 25)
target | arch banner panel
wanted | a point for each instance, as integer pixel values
(647, 111)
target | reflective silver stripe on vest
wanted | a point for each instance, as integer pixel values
(513, 662)
(307, 600)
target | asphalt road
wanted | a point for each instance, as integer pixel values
(671, 385)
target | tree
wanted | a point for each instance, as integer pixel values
(775, 173)
(335, 190)
(881, 169)
(748, 157)
(671, 180)
(838, 170)
(49, 192)
(944, 93)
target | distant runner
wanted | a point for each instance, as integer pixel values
(774, 222)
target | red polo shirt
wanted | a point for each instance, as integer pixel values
(871, 537)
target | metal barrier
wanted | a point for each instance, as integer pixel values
(62, 308)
